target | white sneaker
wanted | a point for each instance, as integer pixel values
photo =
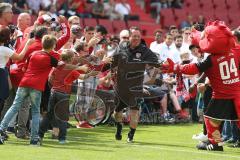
(200, 137)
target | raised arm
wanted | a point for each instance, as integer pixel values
(66, 33)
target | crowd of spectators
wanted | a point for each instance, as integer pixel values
(85, 9)
(158, 5)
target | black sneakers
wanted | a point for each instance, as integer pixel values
(235, 145)
(3, 137)
(130, 138)
(37, 142)
(208, 146)
(118, 135)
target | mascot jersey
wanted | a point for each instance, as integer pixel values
(223, 73)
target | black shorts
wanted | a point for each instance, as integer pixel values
(221, 109)
(120, 105)
(155, 92)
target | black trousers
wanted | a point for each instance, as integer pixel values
(50, 118)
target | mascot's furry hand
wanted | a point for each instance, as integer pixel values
(170, 67)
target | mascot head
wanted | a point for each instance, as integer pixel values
(217, 38)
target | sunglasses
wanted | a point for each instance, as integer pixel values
(125, 37)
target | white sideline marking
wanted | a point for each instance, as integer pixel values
(212, 153)
(186, 151)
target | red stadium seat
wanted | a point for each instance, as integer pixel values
(208, 5)
(90, 22)
(118, 26)
(208, 15)
(133, 23)
(148, 40)
(219, 3)
(234, 21)
(180, 14)
(149, 28)
(191, 4)
(167, 17)
(222, 16)
(107, 24)
(233, 5)
(147, 6)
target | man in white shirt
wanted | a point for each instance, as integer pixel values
(155, 45)
(123, 8)
(179, 49)
(167, 50)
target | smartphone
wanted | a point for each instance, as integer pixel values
(31, 35)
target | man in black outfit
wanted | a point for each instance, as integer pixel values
(130, 62)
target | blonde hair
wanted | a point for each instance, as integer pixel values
(49, 42)
(67, 55)
(70, 19)
(185, 56)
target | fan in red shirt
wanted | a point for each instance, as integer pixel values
(222, 69)
(60, 91)
(17, 74)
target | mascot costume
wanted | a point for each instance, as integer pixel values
(222, 69)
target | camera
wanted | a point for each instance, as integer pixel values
(12, 28)
(199, 27)
(32, 34)
(56, 27)
(103, 41)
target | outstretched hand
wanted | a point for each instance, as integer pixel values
(169, 66)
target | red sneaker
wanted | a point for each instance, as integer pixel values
(84, 124)
(183, 114)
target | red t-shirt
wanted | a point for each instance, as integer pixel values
(38, 69)
(223, 73)
(58, 75)
(17, 74)
(72, 76)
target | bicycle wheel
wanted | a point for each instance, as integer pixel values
(62, 109)
(97, 111)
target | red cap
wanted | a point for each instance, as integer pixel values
(45, 18)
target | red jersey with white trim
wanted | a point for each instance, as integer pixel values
(223, 73)
(38, 69)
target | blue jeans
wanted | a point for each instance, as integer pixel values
(21, 95)
(230, 131)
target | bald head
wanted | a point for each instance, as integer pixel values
(124, 35)
(23, 21)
